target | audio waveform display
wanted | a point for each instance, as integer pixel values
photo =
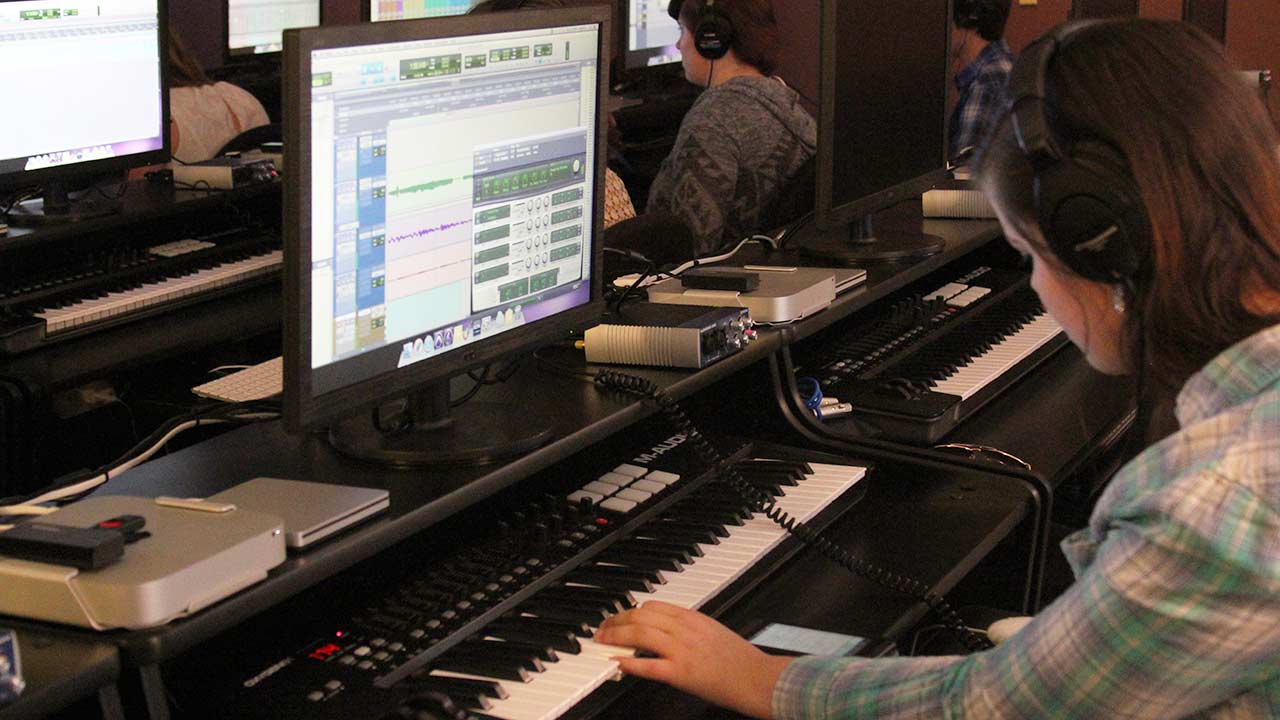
(423, 232)
(427, 186)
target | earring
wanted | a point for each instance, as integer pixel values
(1117, 298)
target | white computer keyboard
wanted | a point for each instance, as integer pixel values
(253, 383)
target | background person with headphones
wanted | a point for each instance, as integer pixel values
(1140, 177)
(746, 134)
(981, 61)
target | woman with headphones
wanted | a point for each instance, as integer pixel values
(744, 137)
(1140, 177)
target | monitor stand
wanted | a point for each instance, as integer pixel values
(861, 244)
(429, 432)
(57, 208)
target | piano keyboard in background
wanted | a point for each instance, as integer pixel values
(505, 628)
(74, 297)
(80, 311)
(919, 368)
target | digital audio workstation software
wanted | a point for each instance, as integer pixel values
(64, 113)
(651, 34)
(254, 26)
(409, 9)
(452, 189)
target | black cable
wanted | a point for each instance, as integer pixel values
(649, 270)
(196, 186)
(480, 382)
(124, 188)
(764, 503)
(226, 412)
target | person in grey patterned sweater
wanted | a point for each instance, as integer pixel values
(744, 137)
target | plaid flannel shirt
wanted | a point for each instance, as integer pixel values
(982, 85)
(1176, 608)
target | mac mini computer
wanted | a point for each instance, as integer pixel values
(311, 511)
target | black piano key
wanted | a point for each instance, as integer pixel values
(693, 514)
(548, 610)
(673, 532)
(604, 604)
(613, 600)
(545, 653)
(562, 640)
(617, 578)
(527, 657)
(718, 498)
(716, 529)
(576, 628)
(640, 558)
(796, 469)
(779, 477)
(471, 665)
(682, 551)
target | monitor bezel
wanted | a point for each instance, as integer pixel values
(636, 59)
(119, 163)
(828, 216)
(230, 57)
(304, 412)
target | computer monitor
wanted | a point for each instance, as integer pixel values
(882, 122)
(86, 85)
(651, 35)
(444, 213)
(377, 10)
(254, 27)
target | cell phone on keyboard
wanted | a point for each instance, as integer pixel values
(783, 639)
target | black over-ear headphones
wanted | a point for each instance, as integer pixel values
(712, 29)
(967, 13)
(1087, 202)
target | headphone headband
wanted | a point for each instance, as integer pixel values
(1086, 201)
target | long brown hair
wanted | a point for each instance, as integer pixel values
(1203, 155)
(184, 71)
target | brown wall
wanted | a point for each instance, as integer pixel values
(1253, 40)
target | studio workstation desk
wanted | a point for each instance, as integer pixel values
(918, 512)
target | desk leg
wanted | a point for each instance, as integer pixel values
(109, 703)
(153, 696)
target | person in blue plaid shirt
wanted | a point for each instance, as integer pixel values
(1175, 611)
(981, 61)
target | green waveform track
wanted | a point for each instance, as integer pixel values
(429, 185)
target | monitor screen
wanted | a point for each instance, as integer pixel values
(413, 9)
(651, 34)
(882, 132)
(254, 27)
(85, 86)
(448, 202)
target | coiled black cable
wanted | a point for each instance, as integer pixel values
(764, 503)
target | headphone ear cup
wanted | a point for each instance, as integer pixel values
(968, 13)
(1092, 215)
(713, 35)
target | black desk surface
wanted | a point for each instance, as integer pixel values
(60, 670)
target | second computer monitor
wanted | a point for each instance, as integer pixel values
(651, 35)
(377, 10)
(444, 214)
(882, 120)
(254, 27)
